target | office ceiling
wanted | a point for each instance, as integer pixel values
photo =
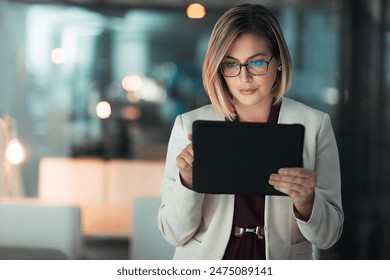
(177, 4)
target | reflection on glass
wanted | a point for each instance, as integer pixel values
(145, 64)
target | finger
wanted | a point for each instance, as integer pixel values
(298, 198)
(296, 171)
(189, 137)
(187, 157)
(286, 191)
(301, 176)
(298, 194)
(287, 185)
(181, 163)
(294, 186)
(297, 185)
(184, 167)
(190, 150)
(294, 180)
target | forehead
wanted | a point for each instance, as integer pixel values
(248, 44)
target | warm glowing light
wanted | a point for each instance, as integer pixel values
(103, 110)
(151, 91)
(132, 82)
(58, 56)
(133, 97)
(131, 113)
(15, 152)
(196, 10)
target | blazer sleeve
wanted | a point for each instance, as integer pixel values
(180, 213)
(325, 225)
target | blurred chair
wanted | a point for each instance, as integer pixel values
(104, 190)
(80, 182)
(40, 231)
(147, 242)
(26, 253)
(129, 179)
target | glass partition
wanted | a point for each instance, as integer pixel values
(109, 82)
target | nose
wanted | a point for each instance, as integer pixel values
(245, 75)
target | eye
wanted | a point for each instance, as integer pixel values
(231, 65)
(257, 63)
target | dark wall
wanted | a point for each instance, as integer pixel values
(364, 132)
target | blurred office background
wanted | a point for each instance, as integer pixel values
(89, 90)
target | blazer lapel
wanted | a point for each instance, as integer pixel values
(290, 112)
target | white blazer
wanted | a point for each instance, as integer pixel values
(200, 225)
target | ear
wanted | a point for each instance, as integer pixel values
(279, 63)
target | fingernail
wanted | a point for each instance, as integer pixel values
(281, 170)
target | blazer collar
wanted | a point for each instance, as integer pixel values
(290, 112)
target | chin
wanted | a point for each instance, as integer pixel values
(252, 100)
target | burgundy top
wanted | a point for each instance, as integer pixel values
(249, 213)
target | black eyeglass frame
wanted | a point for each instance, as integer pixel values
(247, 69)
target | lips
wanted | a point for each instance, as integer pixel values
(248, 91)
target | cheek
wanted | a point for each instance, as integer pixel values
(269, 81)
(230, 83)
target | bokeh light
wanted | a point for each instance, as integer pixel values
(196, 11)
(15, 152)
(58, 56)
(103, 110)
(132, 82)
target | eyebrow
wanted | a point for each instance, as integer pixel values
(252, 56)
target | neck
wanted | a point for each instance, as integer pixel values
(253, 113)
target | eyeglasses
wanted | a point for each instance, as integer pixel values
(255, 68)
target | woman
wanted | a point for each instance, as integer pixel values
(246, 72)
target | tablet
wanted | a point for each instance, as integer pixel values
(239, 157)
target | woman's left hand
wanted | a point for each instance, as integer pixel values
(298, 183)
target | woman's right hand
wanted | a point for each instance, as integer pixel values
(184, 163)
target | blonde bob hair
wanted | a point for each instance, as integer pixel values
(245, 18)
